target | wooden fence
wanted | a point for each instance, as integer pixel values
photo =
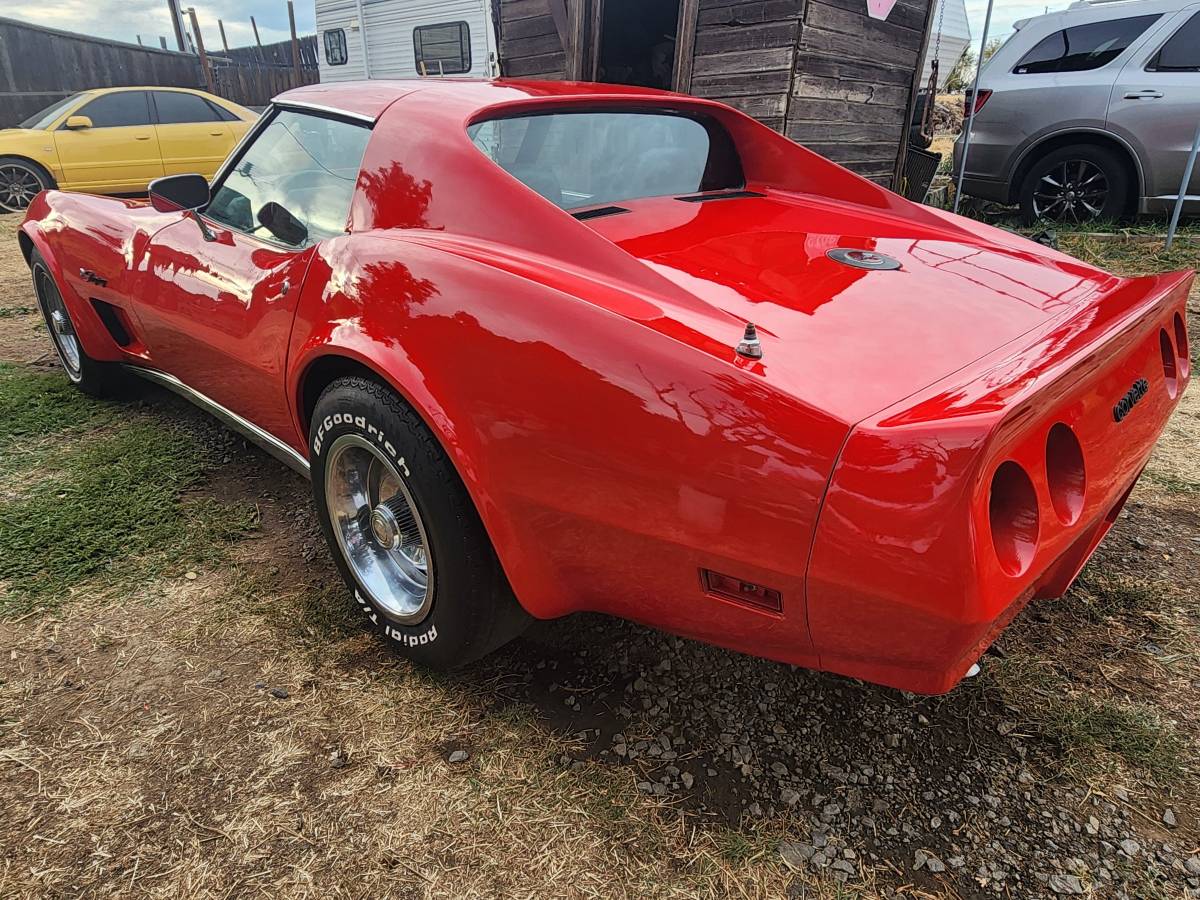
(41, 65)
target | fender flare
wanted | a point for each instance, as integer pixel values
(1085, 132)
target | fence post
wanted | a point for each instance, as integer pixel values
(295, 43)
(204, 64)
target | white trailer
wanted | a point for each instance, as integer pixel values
(956, 36)
(405, 38)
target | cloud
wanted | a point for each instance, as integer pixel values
(124, 20)
(1004, 14)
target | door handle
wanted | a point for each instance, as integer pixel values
(217, 133)
(141, 137)
(284, 287)
(1147, 94)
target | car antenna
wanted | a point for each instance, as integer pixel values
(750, 346)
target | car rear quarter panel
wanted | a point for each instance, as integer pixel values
(911, 490)
(611, 456)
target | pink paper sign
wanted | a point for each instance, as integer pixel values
(879, 9)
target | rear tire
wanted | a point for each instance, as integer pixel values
(99, 379)
(403, 531)
(20, 181)
(1075, 184)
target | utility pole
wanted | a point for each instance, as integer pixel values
(176, 21)
(254, 25)
(162, 42)
(224, 43)
(295, 42)
(204, 64)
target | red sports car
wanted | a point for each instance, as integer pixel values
(555, 347)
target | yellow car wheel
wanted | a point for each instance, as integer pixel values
(20, 181)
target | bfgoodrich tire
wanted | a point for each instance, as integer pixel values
(99, 379)
(1075, 184)
(403, 530)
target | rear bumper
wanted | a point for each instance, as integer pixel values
(911, 577)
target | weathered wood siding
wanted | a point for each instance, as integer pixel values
(821, 71)
(530, 46)
(745, 52)
(852, 80)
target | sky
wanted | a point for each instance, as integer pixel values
(1004, 13)
(124, 20)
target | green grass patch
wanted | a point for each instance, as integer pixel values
(114, 503)
(1172, 484)
(11, 312)
(37, 404)
(1092, 731)
(1100, 594)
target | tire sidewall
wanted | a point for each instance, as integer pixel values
(1115, 204)
(447, 631)
(37, 265)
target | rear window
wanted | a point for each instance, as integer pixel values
(1182, 52)
(1083, 47)
(578, 159)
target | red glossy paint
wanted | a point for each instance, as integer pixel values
(581, 376)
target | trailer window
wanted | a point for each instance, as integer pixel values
(443, 49)
(578, 159)
(335, 46)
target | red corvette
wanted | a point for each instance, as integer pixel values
(557, 347)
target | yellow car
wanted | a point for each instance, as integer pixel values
(116, 141)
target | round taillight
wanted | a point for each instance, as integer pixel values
(1181, 344)
(1170, 368)
(1013, 513)
(1065, 476)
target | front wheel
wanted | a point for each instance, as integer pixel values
(403, 530)
(92, 377)
(1076, 184)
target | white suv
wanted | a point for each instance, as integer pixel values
(1090, 113)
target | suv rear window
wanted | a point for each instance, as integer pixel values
(1083, 47)
(578, 159)
(1182, 52)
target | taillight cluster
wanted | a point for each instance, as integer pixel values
(1013, 510)
(975, 99)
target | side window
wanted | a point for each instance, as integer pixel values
(175, 108)
(443, 49)
(1182, 52)
(294, 182)
(1083, 47)
(118, 110)
(335, 47)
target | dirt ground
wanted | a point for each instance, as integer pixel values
(214, 722)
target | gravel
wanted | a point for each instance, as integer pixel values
(931, 788)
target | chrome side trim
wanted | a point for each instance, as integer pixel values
(318, 107)
(245, 427)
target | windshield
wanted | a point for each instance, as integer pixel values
(577, 159)
(43, 118)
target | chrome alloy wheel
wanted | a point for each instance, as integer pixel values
(58, 320)
(1075, 190)
(379, 529)
(18, 186)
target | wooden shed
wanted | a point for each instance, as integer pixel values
(824, 72)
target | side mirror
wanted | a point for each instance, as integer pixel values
(282, 224)
(74, 123)
(179, 193)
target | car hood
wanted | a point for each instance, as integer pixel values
(847, 339)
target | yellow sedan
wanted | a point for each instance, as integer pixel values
(116, 141)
